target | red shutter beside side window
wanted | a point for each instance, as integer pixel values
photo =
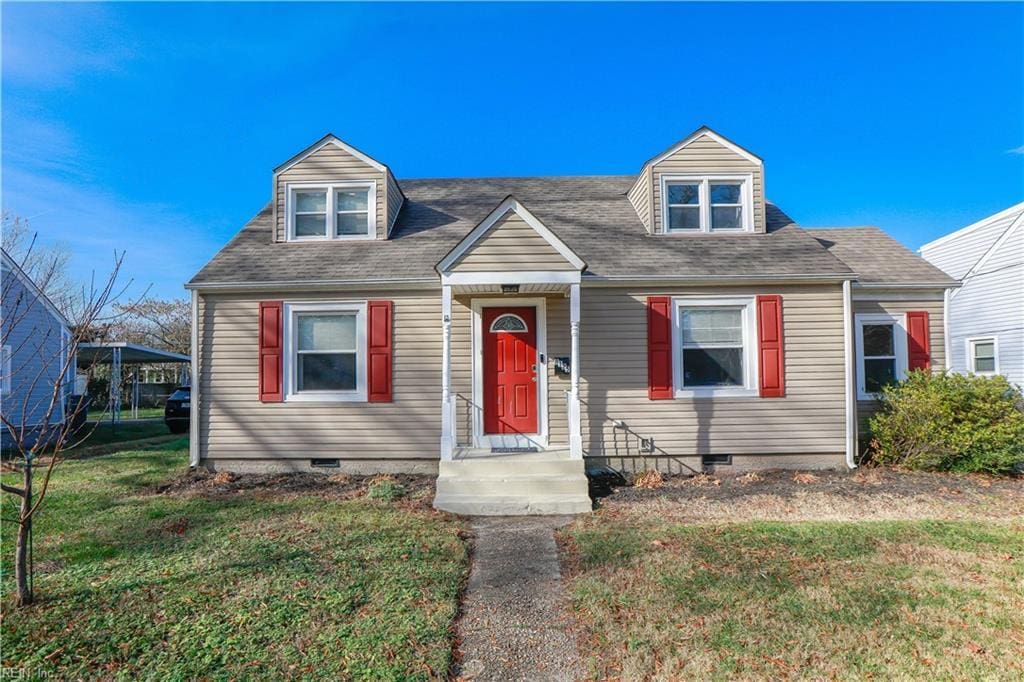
(270, 351)
(770, 351)
(918, 343)
(378, 357)
(659, 347)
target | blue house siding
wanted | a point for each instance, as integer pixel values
(36, 340)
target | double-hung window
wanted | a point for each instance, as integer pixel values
(881, 353)
(714, 347)
(5, 370)
(325, 351)
(333, 211)
(709, 203)
(983, 356)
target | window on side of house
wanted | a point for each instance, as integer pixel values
(881, 353)
(983, 355)
(714, 347)
(326, 352)
(707, 204)
(332, 211)
(5, 369)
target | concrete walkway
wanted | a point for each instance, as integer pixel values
(515, 623)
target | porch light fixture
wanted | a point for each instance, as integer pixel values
(510, 288)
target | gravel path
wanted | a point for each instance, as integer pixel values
(515, 622)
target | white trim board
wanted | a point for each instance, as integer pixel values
(480, 440)
(509, 204)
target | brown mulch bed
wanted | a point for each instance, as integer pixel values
(866, 493)
(332, 486)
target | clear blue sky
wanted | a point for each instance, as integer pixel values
(154, 127)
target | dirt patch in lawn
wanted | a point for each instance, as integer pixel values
(418, 489)
(867, 493)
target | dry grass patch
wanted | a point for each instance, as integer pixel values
(798, 600)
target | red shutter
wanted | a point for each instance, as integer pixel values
(659, 347)
(270, 352)
(378, 339)
(770, 352)
(918, 355)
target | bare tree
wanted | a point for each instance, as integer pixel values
(42, 375)
(47, 266)
(165, 324)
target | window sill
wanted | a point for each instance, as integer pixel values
(353, 397)
(715, 392)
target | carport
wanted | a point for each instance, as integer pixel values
(118, 354)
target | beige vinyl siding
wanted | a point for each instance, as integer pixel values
(557, 307)
(394, 200)
(235, 425)
(613, 369)
(936, 339)
(705, 155)
(511, 245)
(329, 164)
(640, 196)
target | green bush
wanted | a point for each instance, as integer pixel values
(950, 422)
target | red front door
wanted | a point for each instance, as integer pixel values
(510, 370)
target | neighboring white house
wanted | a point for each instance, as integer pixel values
(986, 315)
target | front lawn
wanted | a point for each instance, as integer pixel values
(205, 580)
(662, 596)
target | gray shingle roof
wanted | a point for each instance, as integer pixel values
(877, 258)
(590, 214)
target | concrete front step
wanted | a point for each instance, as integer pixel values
(512, 485)
(503, 505)
(519, 486)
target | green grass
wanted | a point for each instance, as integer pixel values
(131, 584)
(126, 413)
(106, 433)
(907, 599)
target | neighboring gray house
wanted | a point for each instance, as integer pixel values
(986, 314)
(506, 332)
(35, 340)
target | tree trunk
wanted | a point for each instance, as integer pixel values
(21, 576)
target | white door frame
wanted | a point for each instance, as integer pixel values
(480, 439)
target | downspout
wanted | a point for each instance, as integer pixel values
(193, 415)
(848, 362)
(946, 296)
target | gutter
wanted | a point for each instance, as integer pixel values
(587, 280)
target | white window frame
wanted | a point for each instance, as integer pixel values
(5, 367)
(750, 368)
(899, 342)
(971, 342)
(331, 188)
(290, 362)
(705, 180)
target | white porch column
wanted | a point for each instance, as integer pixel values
(575, 431)
(447, 404)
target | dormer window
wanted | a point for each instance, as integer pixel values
(331, 211)
(707, 203)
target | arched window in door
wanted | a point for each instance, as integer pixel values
(509, 323)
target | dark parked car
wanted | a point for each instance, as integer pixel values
(177, 409)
